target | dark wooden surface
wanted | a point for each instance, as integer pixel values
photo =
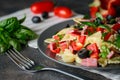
(9, 71)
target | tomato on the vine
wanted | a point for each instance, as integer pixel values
(63, 12)
(42, 6)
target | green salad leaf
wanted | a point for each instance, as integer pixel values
(117, 41)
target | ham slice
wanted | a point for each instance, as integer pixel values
(90, 62)
(110, 55)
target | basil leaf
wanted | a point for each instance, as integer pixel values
(13, 34)
(86, 16)
(79, 26)
(3, 23)
(15, 44)
(105, 27)
(25, 34)
(3, 47)
(98, 15)
(13, 24)
(22, 20)
(10, 24)
(89, 24)
(117, 41)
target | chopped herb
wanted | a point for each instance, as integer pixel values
(117, 41)
(79, 26)
(98, 15)
(89, 24)
(104, 52)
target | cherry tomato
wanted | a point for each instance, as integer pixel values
(42, 6)
(63, 12)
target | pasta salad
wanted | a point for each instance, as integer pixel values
(89, 42)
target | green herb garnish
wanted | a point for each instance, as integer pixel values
(13, 34)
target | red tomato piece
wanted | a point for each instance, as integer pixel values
(56, 37)
(116, 26)
(90, 30)
(95, 52)
(63, 12)
(93, 11)
(94, 55)
(104, 4)
(107, 36)
(74, 32)
(53, 48)
(112, 7)
(100, 29)
(76, 46)
(81, 39)
(93, 47)
(42, 6)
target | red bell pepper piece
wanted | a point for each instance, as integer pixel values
(112, 7)
(116, 26)
(81, 39)
(95, 52)
(93, 11)
(76, 46)
(104, 4)
(90, 30)
(53, 47)
(74, 32)
(100, 29)
(107, 36)
(56, 37)
(94, 55)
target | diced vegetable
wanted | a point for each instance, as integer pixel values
(53, 47)
(95, 51)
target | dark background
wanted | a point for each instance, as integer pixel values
(10, 6)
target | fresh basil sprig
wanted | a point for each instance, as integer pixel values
(13, 34)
